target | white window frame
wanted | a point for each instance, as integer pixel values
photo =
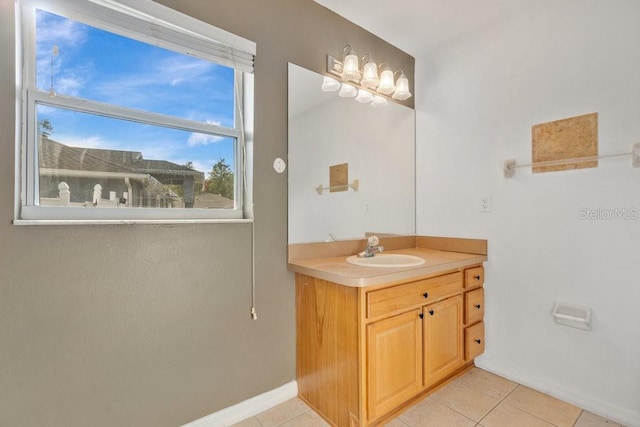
(149, 22)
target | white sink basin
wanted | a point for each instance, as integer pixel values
(387, 261)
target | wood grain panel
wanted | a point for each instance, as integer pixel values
(389, 300)
(473, 306)
(394, 358)
(473, 341)
(443, 346)
(327, 348)
(473, 277)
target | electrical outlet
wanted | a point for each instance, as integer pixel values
(485, 204)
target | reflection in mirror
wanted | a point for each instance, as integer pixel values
(376, 144)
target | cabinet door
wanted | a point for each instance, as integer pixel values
(394, 359)
(443, 345)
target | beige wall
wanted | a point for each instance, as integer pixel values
(146, 325)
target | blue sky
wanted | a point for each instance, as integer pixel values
(98, 65)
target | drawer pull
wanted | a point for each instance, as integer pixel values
(477, 306)
(431, 312)
(426, 295)
(477, 277)
(421, 316)
(478, 341)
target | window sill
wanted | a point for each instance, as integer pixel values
(128, 221)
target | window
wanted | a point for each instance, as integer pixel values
(130, 113)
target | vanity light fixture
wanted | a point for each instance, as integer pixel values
(402, 88)
(330, 85)
(387, 84)
(347, 91)
(379, 102)
(365, 84)
(364, 96)
(370, 78)
(350, 68)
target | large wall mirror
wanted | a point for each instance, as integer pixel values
(376, 144)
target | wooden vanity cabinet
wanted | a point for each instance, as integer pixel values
(473, 313)
(394, 360)
(363, 353)
(473, 306)
(443, 346)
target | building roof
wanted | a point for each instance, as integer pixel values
(212, 201)
(166, 172)
(55, 155)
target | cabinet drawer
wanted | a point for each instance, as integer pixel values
(473, 277)
(405, 296)
(473, 306)
(473, 341)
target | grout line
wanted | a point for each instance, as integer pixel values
(579, 415)
(478, 423)
(460, 413)
(533, 415)
(294, 417)
(499, 402)
(538, 417)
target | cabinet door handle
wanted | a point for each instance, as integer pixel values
(421, 315)
(478, 341)
(426, 295)
(431, 312)
(477, 277)
(478, 306)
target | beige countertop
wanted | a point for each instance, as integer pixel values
(338, 270)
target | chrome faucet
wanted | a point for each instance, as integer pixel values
(372, 248)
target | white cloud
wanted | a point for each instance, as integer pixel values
(203, 138)
(83, 141)
(173, 71)
(58, 39)
(61, 32)
(179, 68)
(202, 166)
(68, 85)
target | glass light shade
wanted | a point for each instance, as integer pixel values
(379, 102)
(347, 91)
(370, 75)
(329, 84)
(364, 96)
(402, 88)
(387, 85)
(350, 68)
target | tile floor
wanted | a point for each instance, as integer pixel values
(476, 399)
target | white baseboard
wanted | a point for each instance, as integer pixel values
(248, 408)
(619, 415)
